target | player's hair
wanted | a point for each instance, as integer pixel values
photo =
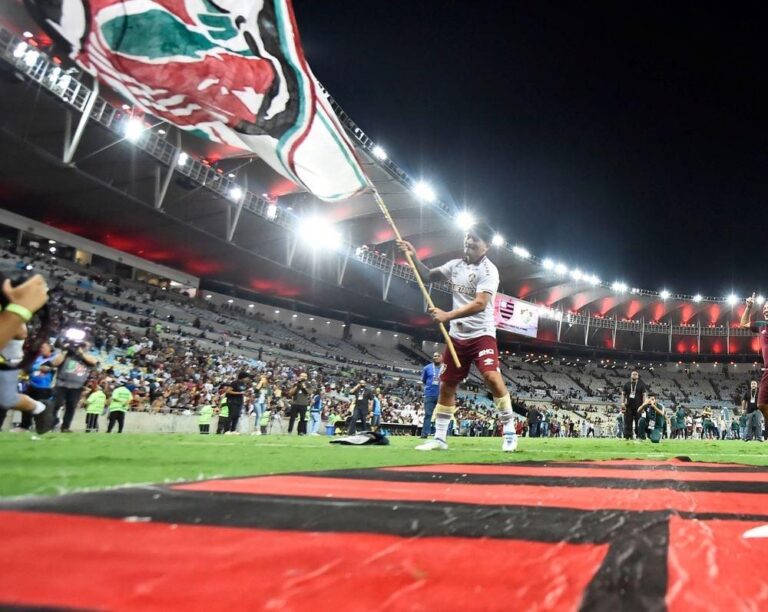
(42, 322)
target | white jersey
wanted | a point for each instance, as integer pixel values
(467, 280)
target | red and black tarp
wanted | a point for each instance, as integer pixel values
(537, 536)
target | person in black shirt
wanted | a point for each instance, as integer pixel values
(235, 398)
(300, 394)
(633, 395)
(363, 405)
(754, 429)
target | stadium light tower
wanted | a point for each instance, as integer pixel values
(697, 298)
(424, 192)
(465, 220)
(664, 294)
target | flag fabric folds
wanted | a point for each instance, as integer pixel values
(232, 71)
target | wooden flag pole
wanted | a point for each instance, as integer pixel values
(411, 263)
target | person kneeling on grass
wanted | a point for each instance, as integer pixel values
(94, 406)
(651, 422)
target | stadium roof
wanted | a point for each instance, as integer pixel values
(115, 192)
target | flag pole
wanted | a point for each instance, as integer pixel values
(425, 293)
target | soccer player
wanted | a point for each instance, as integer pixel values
(761, 328)
(474, 280)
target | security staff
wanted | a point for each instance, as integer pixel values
(119, 404)
(94, 406)
(204, 419)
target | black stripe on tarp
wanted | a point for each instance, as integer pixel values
(667, 467)
(600, 482)
(632, 575)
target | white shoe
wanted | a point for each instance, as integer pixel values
(432, 445)
(509, 445)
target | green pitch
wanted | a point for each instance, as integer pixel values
(60, 463)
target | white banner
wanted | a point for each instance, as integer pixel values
(515, 315)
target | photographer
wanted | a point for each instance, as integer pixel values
(300, 394)
(363, 405)
(73, 369)
(235, 393)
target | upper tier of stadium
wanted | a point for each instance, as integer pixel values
(143, 187)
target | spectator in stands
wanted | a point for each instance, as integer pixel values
(300, 393)
(363, 404)
(430, 378)
(633, 395)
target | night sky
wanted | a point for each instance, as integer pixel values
(628, 140)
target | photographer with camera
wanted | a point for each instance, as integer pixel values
(300, 394)
(363, 405)
(73, 369)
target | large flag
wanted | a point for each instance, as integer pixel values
(231, 70)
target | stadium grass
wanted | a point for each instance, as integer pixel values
(60, 463)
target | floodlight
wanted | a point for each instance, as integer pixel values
(593, 280)
(697, 298)
(619, 287)
(20, 50)
(760, 299)
(424, 192)
(379, 153)
(548, 264)
(577, 274)
(271, 211)
(183, 159)
(561, 269)
(465, 220)
(521, 252)
(251, 306)
(497, 240)
(664, 294)
(318, 232)
(133, 129)
(236, 193)
(230, 301)
(732, 299)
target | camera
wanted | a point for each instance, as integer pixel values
(73, 338)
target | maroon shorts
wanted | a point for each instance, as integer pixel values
(482, 351)
(762, 392)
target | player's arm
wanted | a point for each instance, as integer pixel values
(427, 274)
(25, 300)
(746, 315)
(477, 305)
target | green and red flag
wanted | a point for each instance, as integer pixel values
(232, 71)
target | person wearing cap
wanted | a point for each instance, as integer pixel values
(119, 404)
(474, 281)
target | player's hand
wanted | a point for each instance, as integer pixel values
(32, 294)
(751, 300)
(438, 315)
(406, 247)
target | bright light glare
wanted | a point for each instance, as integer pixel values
(236, 193)
(664, 294)
(379, 153)
(577, 275)
(619, 287)
(732, 299)
(465, 220)
(697, 298)
(521, 252)
(548, 264)
(271, 211)
(183, 159)
(760, 299)
(593, 280)
(497, 240)
(30, 58)
(561, 269)
(317, 232)
(133, 129)
(424, 192)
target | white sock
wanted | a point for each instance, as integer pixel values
(39, 408)
(441, 426)
(505, 414)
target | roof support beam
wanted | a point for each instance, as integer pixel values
(387, 281)
(293, 241)
(70, 147)
(342, 266)
(162, 188)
